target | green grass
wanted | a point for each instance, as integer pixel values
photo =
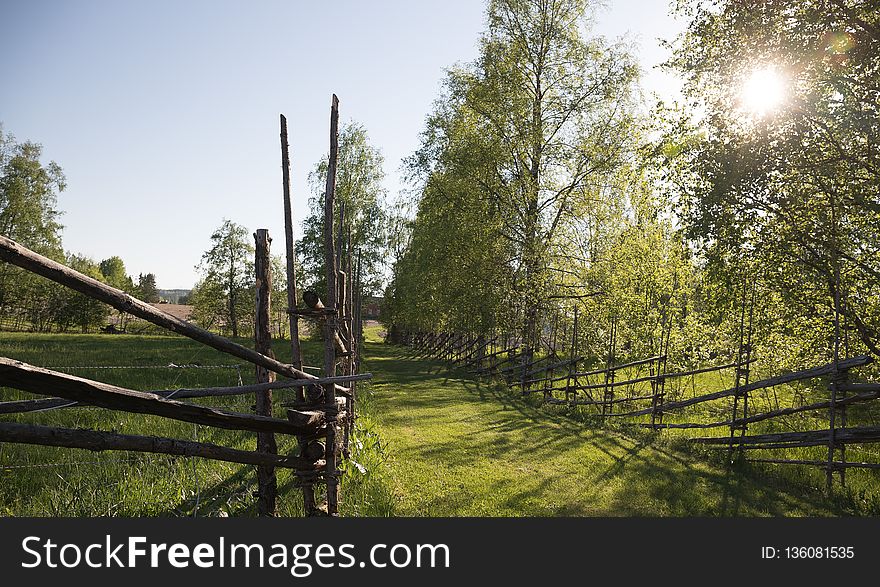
(430, 441)
(464, 448)
(48, 481)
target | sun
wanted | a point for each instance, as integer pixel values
(763, 91)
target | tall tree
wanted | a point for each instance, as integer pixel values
(29, 215)
(451, 273)
(226, 270)
(113, 270)
(72, 308)
(114, 274)
(146, 288)
(531, 128)
(360, 191)
(794, 188)
(28, 195)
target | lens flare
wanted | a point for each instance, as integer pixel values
(839, 43)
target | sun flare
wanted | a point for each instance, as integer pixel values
(763, 91)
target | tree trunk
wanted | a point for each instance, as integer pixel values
(233, 322)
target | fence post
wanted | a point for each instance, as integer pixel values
(330, 323)
(293, 318)
(267, 484)
(296, 351)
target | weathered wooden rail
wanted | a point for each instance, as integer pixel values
(32, 405)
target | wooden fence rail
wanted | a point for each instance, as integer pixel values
(12, 252)
(38, 380)
(797, 439)
(820, 371)
(33, 405)
(99, 441)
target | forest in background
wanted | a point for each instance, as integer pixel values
(549, 182)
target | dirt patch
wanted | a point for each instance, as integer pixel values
(182, 311)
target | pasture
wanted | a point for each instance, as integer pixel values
(430, 441)
(47, 481)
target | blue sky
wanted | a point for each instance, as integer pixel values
(164, 115)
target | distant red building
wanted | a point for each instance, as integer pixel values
(372, 308)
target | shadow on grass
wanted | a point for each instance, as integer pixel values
(466, 447)
(230, 495)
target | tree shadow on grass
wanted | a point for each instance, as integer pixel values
(231, 495)
(511, 456)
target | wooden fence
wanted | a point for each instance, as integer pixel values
(624, 391)
(321, 416)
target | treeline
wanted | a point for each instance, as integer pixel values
(29, 215)
(547, 184)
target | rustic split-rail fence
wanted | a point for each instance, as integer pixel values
(321, 416)
(646, 393)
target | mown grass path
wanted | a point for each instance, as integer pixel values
(462, 448)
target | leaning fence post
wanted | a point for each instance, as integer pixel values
(296, 351)
(267, 484)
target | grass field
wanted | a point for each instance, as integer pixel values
(431, 441)
(48, 481)
(460, 447)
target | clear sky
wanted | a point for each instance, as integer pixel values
(164, 115)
